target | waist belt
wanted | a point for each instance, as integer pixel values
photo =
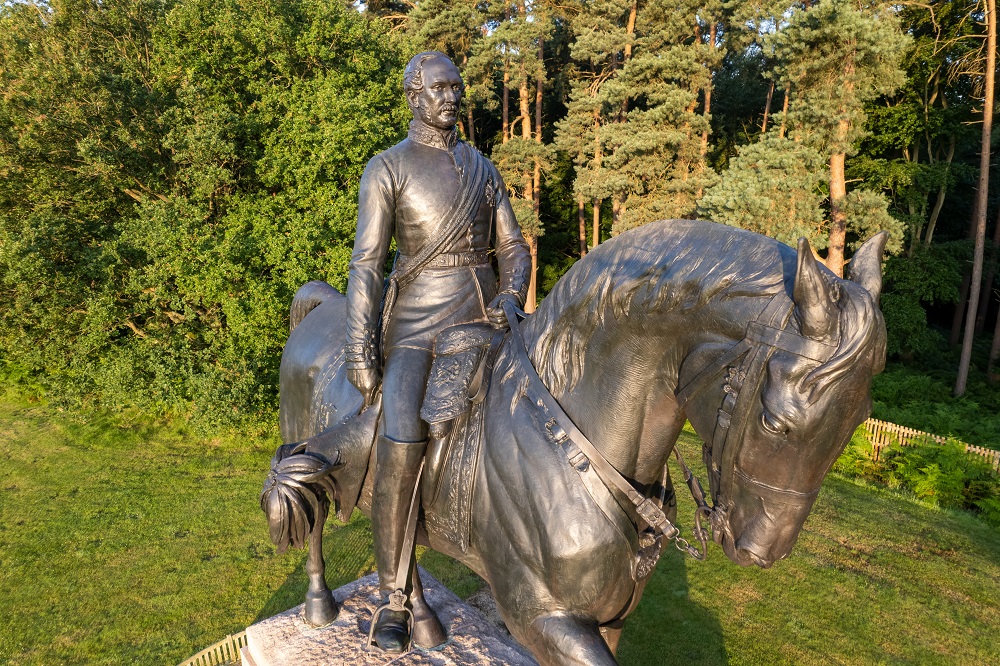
(450, 260)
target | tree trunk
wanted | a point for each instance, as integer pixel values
(987, 293)
(470, 133)
(991, 375)
(984, 180)
(707, 111)
(531, 302)
(536, 186)
(838, 220)
(596, 223)
(598, 163)
(767, 107)
(581, 218)
(784, 114)
(505, 127)
(956, 319)
(942, 191)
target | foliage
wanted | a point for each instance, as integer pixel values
(171, 171)
(940, 474)
(773, 188)
(836, 57)
(928, 276)
(920, 397)
(162, 277)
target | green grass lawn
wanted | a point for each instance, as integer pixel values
(140, 544)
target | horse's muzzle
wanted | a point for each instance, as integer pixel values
(760, 542)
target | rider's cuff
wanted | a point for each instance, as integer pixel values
(514, 281)
(362, 355)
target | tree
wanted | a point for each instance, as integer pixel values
(80, 145)
(835, 58)
(208, 160)
(773, 188)
(984, 179)
(518, 42)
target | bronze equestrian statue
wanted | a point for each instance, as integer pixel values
(441, 200)
(552, 481)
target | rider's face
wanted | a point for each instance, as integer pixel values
(437, 104)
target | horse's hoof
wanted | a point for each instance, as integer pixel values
(427, 629)
(391, 631)
(321, 608)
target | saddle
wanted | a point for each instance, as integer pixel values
(458, 376)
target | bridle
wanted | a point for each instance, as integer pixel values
(764, 335)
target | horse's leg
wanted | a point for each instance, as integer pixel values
(560, 639)
(427, 629)
(321, 608)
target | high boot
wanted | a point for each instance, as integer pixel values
(396, 469)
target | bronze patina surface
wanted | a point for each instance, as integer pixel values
(768, 354)
(448, 210)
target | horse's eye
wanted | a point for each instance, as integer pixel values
(772, 425)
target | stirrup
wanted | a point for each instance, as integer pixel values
(397, 602)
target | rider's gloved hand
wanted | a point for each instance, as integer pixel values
(366, 380)
(494, 311)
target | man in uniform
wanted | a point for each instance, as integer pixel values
(444, 203)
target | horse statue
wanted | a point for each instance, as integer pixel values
(767, 353)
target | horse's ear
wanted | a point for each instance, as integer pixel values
(865, 267)
(815, 298)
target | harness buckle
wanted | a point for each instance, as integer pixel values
(655, 518)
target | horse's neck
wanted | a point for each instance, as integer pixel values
(623, 398)
(618, 399)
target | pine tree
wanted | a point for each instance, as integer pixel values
(642, 69)
(517, 43)
(773, 187)
(835, 58)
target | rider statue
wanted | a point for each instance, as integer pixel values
(445, 205)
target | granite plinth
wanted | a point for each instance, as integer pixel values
(286, 639)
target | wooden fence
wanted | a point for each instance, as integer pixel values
(226, 651)
(882, 434)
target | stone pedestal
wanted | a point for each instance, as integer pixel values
(286, 639)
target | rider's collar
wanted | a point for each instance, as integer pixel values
(431, 136)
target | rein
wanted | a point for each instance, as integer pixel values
(582, 451)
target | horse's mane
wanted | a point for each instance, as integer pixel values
(664, 267)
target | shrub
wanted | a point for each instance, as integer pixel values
(941, 474)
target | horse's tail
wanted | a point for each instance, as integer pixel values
(296, 496)
(307, 298)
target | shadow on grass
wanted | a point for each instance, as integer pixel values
(668, 627)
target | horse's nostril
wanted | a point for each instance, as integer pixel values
(747, 554)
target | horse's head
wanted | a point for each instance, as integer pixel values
(791, 405)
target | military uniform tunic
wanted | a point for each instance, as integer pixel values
(405, 192)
